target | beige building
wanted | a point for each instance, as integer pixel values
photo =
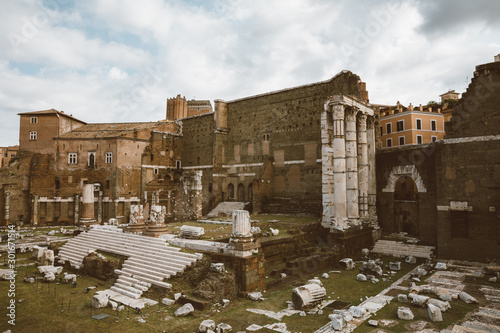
(7, 154)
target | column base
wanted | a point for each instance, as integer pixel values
(156, 231)
(136, 228)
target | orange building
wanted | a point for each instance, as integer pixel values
(7, 154)
(448, 101)
(402, 126)
(178, 107)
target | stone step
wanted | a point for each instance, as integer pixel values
(481, 326)
(158, 283)
(151, 269)
(129, 288)
(462, 329)
(139, 274)
(127, 279)
(125, 292)
(136, 240)
(170, 262)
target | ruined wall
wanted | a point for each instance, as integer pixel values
(468, 200)
(417, 162)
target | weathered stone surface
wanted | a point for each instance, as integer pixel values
(419, 300)
(167, 301)
(365, 252)
(99, 301)
(307, 295)
(373, 322)
(315, 281)
(443, 306)
(184, 310)
(223, 328)
(395, 266)
(68, 278)
(50, 269)
(466, 297)
(217, 267)
(411, 260)
(441, 266)
(325, 276)
(253, 328)
(206, 325)
(371, 268)
(49, 277)
(361, 277)
(113, 305)
(274, 232)
(434, 313)
(405, 313)
(337, 321)
(47, 258)
(357, 311)
(255, 296)
(347, 264)
(402, 298)
(191, 232)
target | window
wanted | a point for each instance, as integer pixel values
(12, 155)
(388, 128)
(155, 171)
(401, 140)
(401, 125)
(91, 160)
(433, 138)
(33, 135)
(389, 142)
(198, 161)
(419, 139)
(419, 124)
(34, 120)
(178, 164)
(109, 157)
(433, 125)
(72, 158)
(57, 184)
(108, 184)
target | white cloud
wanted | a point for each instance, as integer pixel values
(111, 60)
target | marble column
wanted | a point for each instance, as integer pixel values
(76, 216)
(327, 166)
(351, 161)
(7, 207)
(241, 227)
(35, 210)
(362, 165)
(88, 202)
(339, 168)
(99, 208)
(372, 181)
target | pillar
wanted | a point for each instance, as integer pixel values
(99, 207)
(169, 203)
(76, 215)
(36, 209)
(327, 166)
(372, 182)
(88, 202)
(7, 207)
(339, 169)
(363, 177)
(241, 227)
(351, 162)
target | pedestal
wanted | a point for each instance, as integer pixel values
(137, 228)
(156, 230)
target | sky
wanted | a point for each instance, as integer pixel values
(120, 60)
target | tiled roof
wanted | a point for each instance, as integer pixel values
(50, 111)
(109, 130)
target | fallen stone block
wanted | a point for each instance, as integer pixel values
(373, 322)
(50, 269)
(315, 281)
(307, 295)
(395, 266)
(274, 232)
(419, 300)
(357, 311)
(184, 310)
(206, 325)
(68, 278)
(361, 277)
(253, 328)
(365, 252)
(405, 313)
(99, 301)
(255, 296)
(402, 298)
(167, 301)
(113, 305)
(337, 321)
(191, 232)
(440, 266)
(467, 298)
(411, 260)
(443, 306)
(434, 313)
(347, 263)
(49, 277)
(223, 328)
(325, 276)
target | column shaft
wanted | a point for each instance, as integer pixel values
(372, 182)
(363, 177)
(351, 165)
(327, 167)
(339, 168)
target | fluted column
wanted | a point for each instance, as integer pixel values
(327, 189)
(372, 183)
(362, 165)
(34, 217)
(7, 207)
(241, 227)
(351, 162)
(339, 168)
(88, 202)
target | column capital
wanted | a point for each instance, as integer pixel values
(370, 123)
(362, 117)
(350, 114)
(338, 111)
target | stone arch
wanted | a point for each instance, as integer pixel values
(230, 191)
(250, 193)
(404, 170)
(405, 189)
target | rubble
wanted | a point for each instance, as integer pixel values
(443, 306)
(371, 268)
(434, 313)
(347, 264)
(419, 299)
(217, 267)
(405, 313)
(255, 296)
(191, 232)
(307, 295)
(99, 301)
(274, 232)
(365, 252)
(223, 328)
(395, 266)
(68, 278)
(167, 301)
(206, 326)
(325, 276)
(467, 298)
(361, 277)
(184, 310)
(411, 260)
(440, 266)
(373, 322)
(337, 321)
(402, 298)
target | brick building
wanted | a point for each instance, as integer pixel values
(448, 192)
(7, 154)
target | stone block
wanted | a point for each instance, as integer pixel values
(184, 310)
(405, 313)
(434, 313)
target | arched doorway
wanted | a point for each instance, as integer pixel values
(241, 192)
(250, 193)
(406, 206)
(230, 192)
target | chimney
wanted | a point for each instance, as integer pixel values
(497, 58)
(420, 108)
(410, 107)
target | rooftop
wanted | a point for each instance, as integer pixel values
(49, 112)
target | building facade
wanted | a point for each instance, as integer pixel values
(7, 154)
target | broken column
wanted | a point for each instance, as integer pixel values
(327, 166)
(7, 207)
(241, 227)
(34, 217)
(308, 295)
(136, 220)
(88, 204)
(351, 162)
